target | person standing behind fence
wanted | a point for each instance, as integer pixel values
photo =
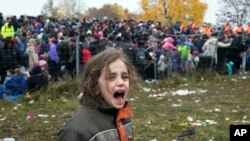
(162, 66)
(1, 20)
(33, 55)
(207, 29)
(210, 47)
(168, 48)
(9, 58)
(239, 29)
(248, 29)
(85, 56)
(54, 61)
(63, 52)
(105, 114)
(7, 29)
(183, 52)
(227, 27)
(140, 58)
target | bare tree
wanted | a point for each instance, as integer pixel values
(70, 8)
(110, 10)
(49, 9)
(234, 11)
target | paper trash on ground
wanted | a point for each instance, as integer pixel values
(146, 89)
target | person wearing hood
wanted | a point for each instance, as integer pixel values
(162, 66)
(168, 47)
(15, 87)
(7, 29)
(32, 54)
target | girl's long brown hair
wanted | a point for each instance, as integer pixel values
(92, 72)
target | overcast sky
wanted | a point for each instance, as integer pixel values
(34, 7)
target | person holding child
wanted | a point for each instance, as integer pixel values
(105, 114)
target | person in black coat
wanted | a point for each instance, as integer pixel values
(37, 79)
(9, 58)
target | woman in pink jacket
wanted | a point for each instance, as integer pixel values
(168, 48)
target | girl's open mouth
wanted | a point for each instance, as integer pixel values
(119, 97)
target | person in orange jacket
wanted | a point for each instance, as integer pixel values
(207, 29)
(240, 29)
(248, 29)
(227, 27)
(182, 28)
(105, 114)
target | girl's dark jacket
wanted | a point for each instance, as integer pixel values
(98, 124)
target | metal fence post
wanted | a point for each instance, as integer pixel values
(77, 55)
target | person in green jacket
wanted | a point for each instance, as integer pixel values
(183, 51)
(7, 30)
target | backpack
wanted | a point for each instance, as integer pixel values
(140, 56)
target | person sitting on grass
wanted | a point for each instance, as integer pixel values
(37, 79)
(15, 86)
(10, 73)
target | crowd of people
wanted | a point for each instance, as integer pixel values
(39, 48)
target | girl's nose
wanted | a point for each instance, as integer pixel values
(120, 81)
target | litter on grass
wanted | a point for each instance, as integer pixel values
(80, 95)
(187, 92)
(3, 119)
(31, 101)
(29, 117)
(146, 89)
(190, 119)
(158, 95)
(8, 139)
(43, 115)
(151, 81)
(203, 123)
(45, 121)
(176, 105)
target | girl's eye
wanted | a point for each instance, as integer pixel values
(125, 77)
(111, 78)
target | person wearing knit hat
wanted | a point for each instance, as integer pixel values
(162, 66)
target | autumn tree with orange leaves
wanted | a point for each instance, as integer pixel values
(170, 11)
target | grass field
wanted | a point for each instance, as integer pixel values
(207, 104)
